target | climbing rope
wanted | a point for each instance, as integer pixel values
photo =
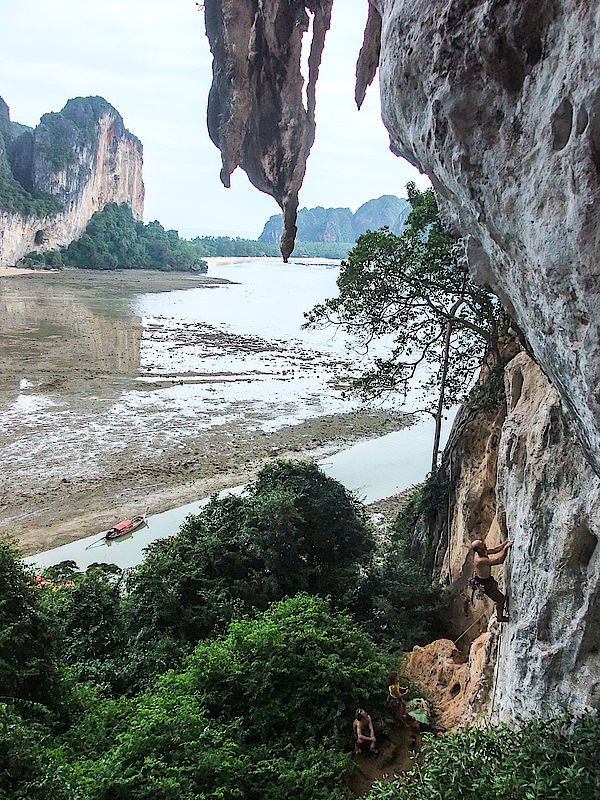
(470, 626)
(495, 682)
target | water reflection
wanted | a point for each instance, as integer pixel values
(55, 335)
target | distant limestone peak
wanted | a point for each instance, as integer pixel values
(340, 224)
(55, 176)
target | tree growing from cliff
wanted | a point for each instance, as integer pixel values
(413, 290)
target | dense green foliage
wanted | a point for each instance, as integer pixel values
(258, 712)
(197, 675)
(295, 530)
(425, 508)
(551, 759)
(28, 653)
(408, 288)
(227, 246)
(113, 239)
(208, 670)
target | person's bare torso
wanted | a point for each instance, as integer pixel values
(483, 568)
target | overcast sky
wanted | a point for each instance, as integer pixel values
(151, 60)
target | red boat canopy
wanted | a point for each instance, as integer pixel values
(122, 525)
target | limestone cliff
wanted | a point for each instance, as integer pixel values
(340, 224)
(548, 500)
(519, 471)
(498, 101)
(81, 158)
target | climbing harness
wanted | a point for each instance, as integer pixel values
(478, 586)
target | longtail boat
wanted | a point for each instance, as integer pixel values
(126, 526)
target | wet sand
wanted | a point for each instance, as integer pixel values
(41, 517)
(90, 347)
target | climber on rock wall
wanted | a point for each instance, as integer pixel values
(485, 559)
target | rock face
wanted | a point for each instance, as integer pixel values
(256, 114)
(340, 224)
(548, 500)
(498, 102)
(83, 157)
(460, 687)
(521, 472)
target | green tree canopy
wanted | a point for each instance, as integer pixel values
(113, 239)
(294, 530)
(414, 292)
(28, 654)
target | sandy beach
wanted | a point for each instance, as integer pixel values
(91, 355)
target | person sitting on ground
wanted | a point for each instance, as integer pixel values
(485, 559)
(362, 732)
(397, 693)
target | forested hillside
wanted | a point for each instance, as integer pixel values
(114, 239)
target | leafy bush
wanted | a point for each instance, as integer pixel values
(490, 393)
(28, 770)
(259, 712)
(88, 622)
(28, 668)
(296, 530)
(114, 239)
(397, 605)
(50, 258)
(551, 759)
(424, 508)
(296, 671)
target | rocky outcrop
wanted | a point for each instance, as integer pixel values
(83, 158)
(460, 687)
(256, 113)
(463, 508)
(498, 102)
(548, 500)
(521, 472)
(340, 224)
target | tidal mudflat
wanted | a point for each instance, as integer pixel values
(133, 390)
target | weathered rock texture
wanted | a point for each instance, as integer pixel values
(85, 158)
(521, 472)
(465, 510)
(499, 103)
(460, 687)
(256, 113)
(548, 501)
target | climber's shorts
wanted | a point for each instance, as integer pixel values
(490, 588)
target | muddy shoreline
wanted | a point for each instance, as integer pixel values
(72, 467)
(42, 517)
